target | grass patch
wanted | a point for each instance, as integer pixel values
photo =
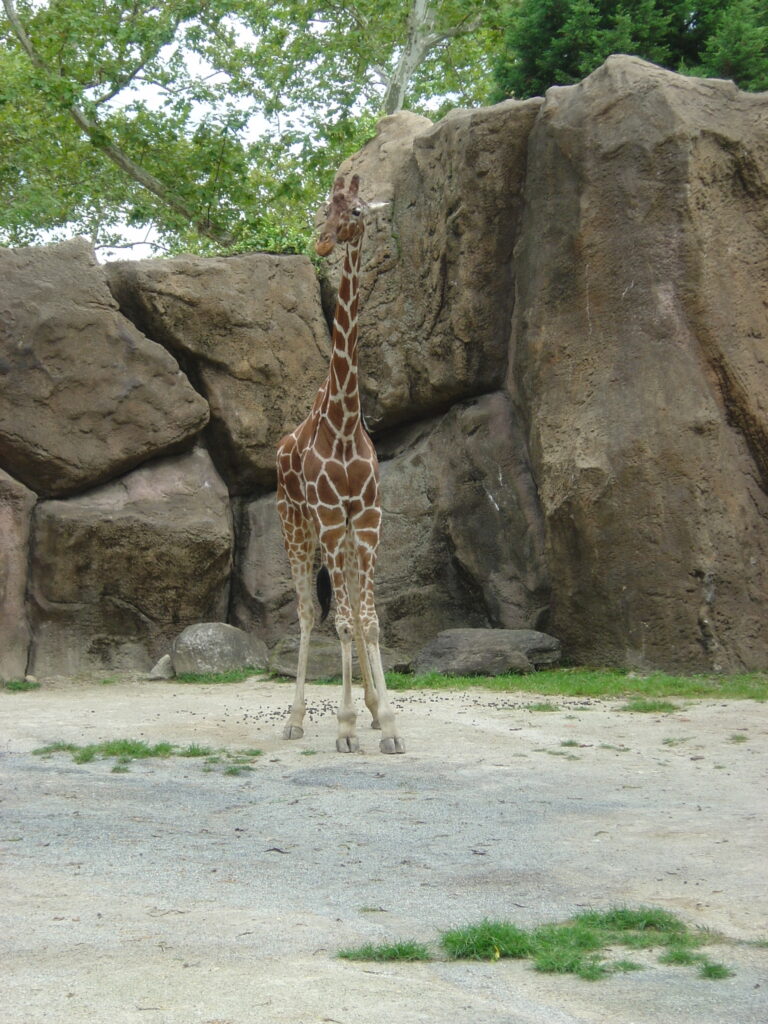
(20, 685)
(737, 737)
(235, 675)
(406, 952)
(650, 707)
(585, 682)
(126, 751)
(194, 750)
(580, 946)
(715, 972)
(489, 940)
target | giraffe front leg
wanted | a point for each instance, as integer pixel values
(294, 727)
(346, 741)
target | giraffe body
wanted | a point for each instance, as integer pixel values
(328, 497)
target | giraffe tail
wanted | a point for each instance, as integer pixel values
(324, 591)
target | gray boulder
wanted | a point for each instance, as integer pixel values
(118, 571)
(16, 505)
(85, 396)
(487, 652)
(210, 647)
(250, 332)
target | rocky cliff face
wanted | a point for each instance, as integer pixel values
(564, 341)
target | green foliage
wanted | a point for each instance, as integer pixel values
(558, 42)
(240, 110)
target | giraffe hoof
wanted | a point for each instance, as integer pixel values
(375, 724)
(347, 744)
(392, 745)
(292, 732)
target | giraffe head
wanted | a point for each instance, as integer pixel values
(343, 216)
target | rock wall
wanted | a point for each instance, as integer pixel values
(564, 342)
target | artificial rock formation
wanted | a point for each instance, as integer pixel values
(564, 324)
(639, 360)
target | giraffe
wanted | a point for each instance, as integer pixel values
(328, 497)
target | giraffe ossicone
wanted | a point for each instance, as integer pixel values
(328, 498)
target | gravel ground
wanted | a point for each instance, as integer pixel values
(175, 893)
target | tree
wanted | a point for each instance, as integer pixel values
(218, 122)
(558, 42)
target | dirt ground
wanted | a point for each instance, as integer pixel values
(175, 893)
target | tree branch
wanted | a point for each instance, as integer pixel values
(98, 138)
(421, 38)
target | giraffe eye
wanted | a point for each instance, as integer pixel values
(356, 211)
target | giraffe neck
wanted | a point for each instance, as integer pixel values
(343, 391)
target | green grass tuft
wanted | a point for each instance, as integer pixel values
(624, 919)
(650, 707)
(20, 685)
(488, 940)
(195, 750)
(235, 675)
(714, 971)
(407, 952)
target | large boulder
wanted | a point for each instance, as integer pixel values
(119, 571)
(213, 647)
(250, 332)
(488, 652)
(16, 504)
(437, 281)
(85, 395)
(639, 335)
